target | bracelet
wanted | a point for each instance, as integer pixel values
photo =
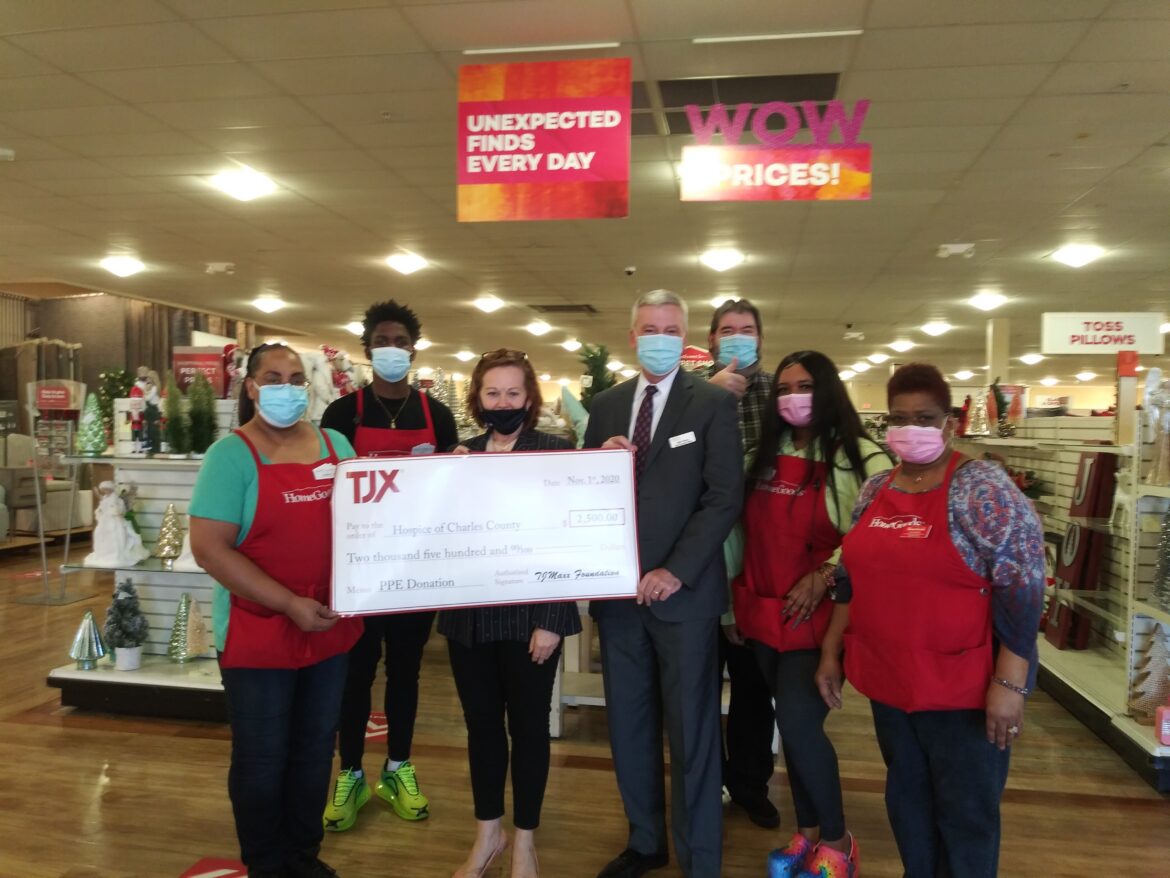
(1008, 684)
(827, 574)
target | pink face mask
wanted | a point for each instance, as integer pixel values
(795, 408)
(916, 444)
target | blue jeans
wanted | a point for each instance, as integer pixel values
(943, 786)
(283, 725)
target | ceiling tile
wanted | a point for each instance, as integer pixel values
(454, 27)
(1120, 40)
(48, 92)
(388, 134)
(953, 83)
(958, 138)
(923, 13)
(313, 160)
(922, 114)
(196, 82)
(227, 8)
(276, 112)
(241, 140)
(116, 118)
(684, 19)
(683, 60)
(973, 45)
(152, 143)
(355, 75)
(315, 34)
(1110, 77)
(1138, 9)
(365, 109)
(114, 48)
(45, 15)
(15, 63)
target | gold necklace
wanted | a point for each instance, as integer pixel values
(393, 417)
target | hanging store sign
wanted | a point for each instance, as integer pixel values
(544, 141)
(834, 167)
(1088, 332)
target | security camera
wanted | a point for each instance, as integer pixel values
(630, 270)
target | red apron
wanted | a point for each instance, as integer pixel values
(290, 540)
(380, 442)
(787, 534)
(919, 635)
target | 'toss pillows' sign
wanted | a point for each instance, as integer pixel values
(834, 167)
(1077, 332)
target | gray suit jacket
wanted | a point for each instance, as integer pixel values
(689, 496)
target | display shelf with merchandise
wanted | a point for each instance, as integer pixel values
(160, 687)
(1146, 608)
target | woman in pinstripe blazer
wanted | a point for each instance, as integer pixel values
(504, 659)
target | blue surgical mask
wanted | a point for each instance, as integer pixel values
(659, 354)
(390, 364)
(282, 405)
(742, 348)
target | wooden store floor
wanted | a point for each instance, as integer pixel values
(87, 795)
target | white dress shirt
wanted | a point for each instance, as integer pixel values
(658, 400)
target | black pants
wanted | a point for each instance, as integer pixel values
(943, 786)
(813, 774)
(747, 744)
(495, 680)
(405, 635)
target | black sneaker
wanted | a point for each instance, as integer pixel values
(306, 866)
(760, 810)
(631, 864)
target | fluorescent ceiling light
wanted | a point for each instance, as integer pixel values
(425, 371)
(1085, 375)
(860, 367)
(901, 346)
(422, 344)
(1077, 255)
(268, 304)
(986, 300)
(457, 376)
(717, 301)
(465, 356)
(936, 327)
(846, 374)
(615, 365)
(964, 374)
(1049, 381)
(538, 327)
(797, 35)
(275, 341)
(1032, 359)
(489, 303)
(122, 266)
(571, 344)
(564, 382)
(722, 258)
(1140, 369)
(244, 183)
(628, 373)
(544, 376)
(405, 262)
(355, 328)
(564, 47)
(1164, 328)
(878, 359)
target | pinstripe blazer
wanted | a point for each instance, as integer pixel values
(493, 624)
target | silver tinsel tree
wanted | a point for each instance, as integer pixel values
(1161, 592)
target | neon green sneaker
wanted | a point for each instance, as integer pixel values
(349, 794)
(400, 789)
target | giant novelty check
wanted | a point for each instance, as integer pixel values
(429, 532)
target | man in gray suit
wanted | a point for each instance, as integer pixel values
(659, 652)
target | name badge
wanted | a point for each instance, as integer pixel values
(916, 532)
(682, 439)
(423, 448)
(324, 471)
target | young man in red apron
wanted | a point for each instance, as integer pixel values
(387, 418)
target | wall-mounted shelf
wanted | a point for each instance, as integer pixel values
(1146, 608)
(1154, 491)
(133, 462)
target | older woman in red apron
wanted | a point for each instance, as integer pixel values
(260, 525)
(939, 602)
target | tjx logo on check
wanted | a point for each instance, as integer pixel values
(380, 481)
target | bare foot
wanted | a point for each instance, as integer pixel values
(524, 861)
(490, 842)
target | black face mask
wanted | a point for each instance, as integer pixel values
(504, 421)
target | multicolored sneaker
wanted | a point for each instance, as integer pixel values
(828, 863)
(400, 789)
(791, 860)
(349, 794)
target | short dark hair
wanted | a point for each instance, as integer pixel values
(390, 311)
(736, 306)
(494, 360)
(920, 378)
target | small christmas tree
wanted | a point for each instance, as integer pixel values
(91, 432)
(112, 384)
(1151, 678)
(87, 645)
(125, 626)
(201, 414)
(170, 538)
(189, 633)
(595, 358)
(177, 430)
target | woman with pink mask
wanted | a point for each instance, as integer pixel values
(939, 596)
(813, 457)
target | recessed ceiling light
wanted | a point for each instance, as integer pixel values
(846, 374)
(457, 376)
(722, 258)
(936, 327)
(122, 266)
(628, 373)
(422, 344)
(716, 301)
(465, 356)
(564, 382)
(1085, 375)
(425, 371)
(571, 344)
(1049, 381)
(1164, 328)
(1032, 359)
(563, 47)
(275, 341)
(986, 300)
(355, 328)
(544, 376)
(268, 304)
(615, 365)
(489, 303)
(244, 183)
(901, 346)
(878, 359)
(405, 262)
(1077, 255)
(964, 374)
(1140, 369)
(860, 367)
(538, 327)
(797, 35)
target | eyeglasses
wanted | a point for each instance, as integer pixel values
(503, 354)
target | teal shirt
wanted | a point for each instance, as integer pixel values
(226, 490)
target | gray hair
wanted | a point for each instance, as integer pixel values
(655, 298)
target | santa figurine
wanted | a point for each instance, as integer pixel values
(343, 371)
(144, 390)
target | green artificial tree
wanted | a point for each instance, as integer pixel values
(112, 384)
(178, 429)
(126, 626)
(201, 414)
(91, 432)
(594, 358)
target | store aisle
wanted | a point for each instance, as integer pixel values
(88, 795)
